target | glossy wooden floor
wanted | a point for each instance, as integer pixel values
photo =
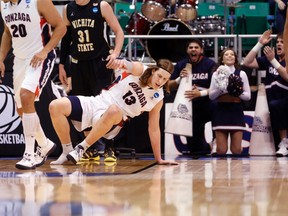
(199, 187)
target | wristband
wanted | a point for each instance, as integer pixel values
(129, 64)
(275, 63)
(257, 47)
(178, 80)
(203, 93)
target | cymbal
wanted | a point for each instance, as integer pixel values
(231, 5)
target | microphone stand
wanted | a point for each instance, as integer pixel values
(225, 15)
(231, 18)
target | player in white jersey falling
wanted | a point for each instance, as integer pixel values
(138, 89)
(27, 29)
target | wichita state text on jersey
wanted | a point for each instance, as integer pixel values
(85, 46)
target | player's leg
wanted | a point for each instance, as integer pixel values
(81, 85)
(107, 76)
(236, 140)
(59, 110)
(279, 122)
(221, 141)
(36, 79)
(112, 116)
(26, 87)
(109, 155)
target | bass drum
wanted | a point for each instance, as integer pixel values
(172, 49)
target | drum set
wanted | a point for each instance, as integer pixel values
(168, 17)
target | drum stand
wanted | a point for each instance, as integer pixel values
(134, 41)
(134, 44)
(232, 20)
(172, 8)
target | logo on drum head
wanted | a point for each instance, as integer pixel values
(167, 27)
(10, 119)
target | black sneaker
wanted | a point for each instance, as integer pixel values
(90, 154)
(109, 155)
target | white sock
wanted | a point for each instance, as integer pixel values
(30, 123)
(67, 148)
(40, 136)
(37, 128)
(84, 144)
(62, 159)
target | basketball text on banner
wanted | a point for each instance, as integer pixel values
(261, 142)
(180, 119)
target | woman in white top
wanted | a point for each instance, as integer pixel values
(229, 86)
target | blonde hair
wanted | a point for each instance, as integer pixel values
(165, 64)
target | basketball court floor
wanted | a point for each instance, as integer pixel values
(204, 186)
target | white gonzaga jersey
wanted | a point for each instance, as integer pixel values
(30, 32)
(126, 92)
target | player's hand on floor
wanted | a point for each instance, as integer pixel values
(167, 162)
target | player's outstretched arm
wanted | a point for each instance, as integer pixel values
(155, 135)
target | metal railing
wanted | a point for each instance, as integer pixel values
(237, 41)
(215, 38)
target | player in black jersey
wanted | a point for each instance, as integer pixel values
(87, 42)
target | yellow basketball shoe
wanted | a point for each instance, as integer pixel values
(90, 154)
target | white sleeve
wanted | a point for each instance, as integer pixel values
(214, 92)
(246, 95)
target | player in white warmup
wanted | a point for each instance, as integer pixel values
(27, 29)
(138, 89)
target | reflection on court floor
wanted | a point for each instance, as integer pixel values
(204, 186)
